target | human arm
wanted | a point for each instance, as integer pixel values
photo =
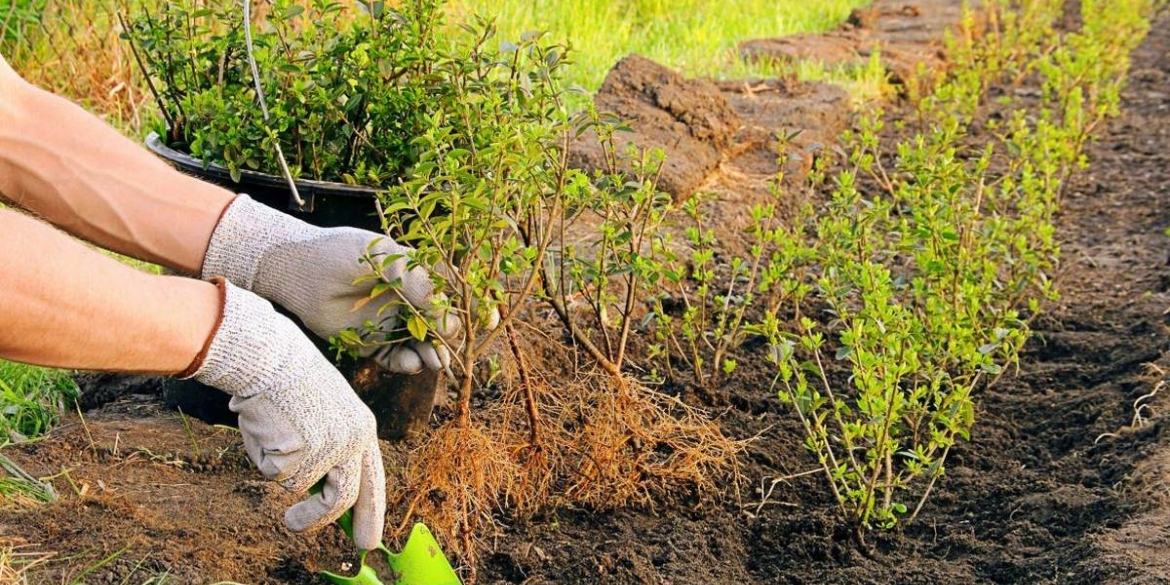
(63, 304)
(70, 168)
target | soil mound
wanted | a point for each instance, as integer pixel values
(701, 125)
(687, 118)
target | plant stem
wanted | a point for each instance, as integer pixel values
(292, 185)
(526, 382)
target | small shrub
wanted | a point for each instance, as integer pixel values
(490, 201)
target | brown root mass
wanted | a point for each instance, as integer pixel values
(601, 444)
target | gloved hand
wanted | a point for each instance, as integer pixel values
(299, 418)
(310, 271)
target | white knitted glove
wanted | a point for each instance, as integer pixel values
(299, 418)
(310, 271)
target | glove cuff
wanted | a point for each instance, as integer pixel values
(249, 348)
(243, 235)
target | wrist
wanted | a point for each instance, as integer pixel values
(201, 355)
(244, 233)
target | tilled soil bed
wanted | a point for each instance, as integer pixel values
(1058, 484)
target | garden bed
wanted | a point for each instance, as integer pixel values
(1041, 494)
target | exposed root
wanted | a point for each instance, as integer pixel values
(633, 445)
(1141, 406)
(602, 444)
(455, 482)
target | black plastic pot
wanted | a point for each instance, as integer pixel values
(401, 403)
(326, 204)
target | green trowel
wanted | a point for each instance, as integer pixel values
(421, 561)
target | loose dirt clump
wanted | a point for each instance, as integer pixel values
(716, 132)
(689, 120)
(787, 127)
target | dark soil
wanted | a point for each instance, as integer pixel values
(1040, 495)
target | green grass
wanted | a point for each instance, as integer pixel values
(32, 400)
(696, 37)
(17, 15)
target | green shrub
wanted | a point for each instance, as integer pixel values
(924, 286)
(491, 202)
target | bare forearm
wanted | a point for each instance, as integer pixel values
(63, 304)
(76, 172)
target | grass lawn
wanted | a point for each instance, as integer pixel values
(696, 37)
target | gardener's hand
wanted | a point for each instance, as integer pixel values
(299, 419)
(310, 271)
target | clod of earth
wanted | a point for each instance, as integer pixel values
(687, 118)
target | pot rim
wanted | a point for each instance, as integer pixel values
(196, 166)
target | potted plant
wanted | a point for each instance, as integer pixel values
(308, 106)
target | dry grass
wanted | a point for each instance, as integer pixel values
(74, 51)
(17, 561)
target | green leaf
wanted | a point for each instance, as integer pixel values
(417, 327)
